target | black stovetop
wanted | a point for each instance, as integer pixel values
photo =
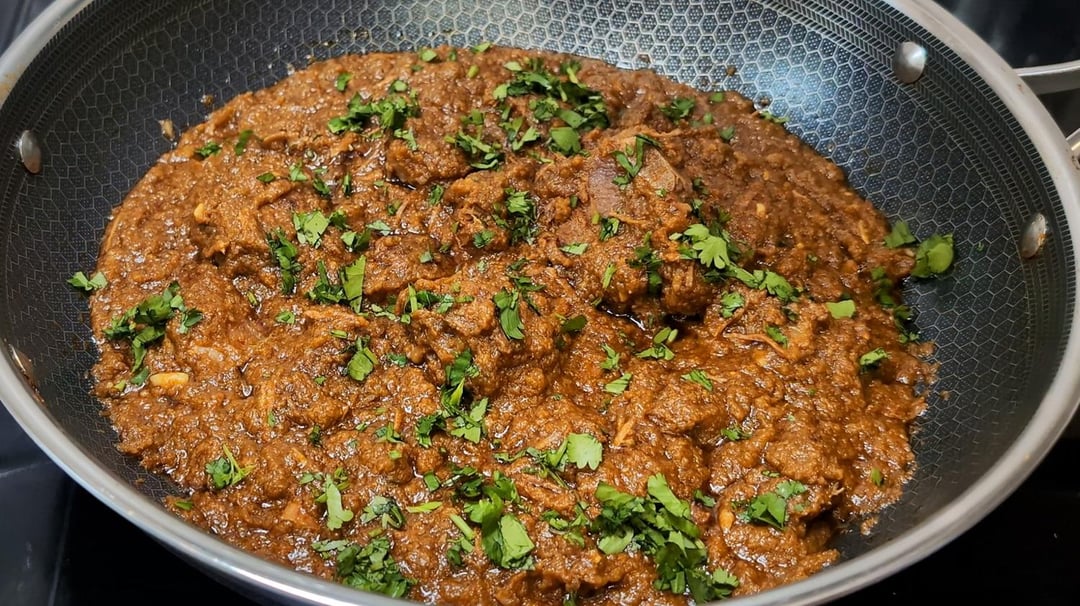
(59, 546)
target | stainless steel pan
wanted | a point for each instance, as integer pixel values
(952, 141)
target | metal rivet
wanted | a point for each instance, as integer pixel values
(22, 361)
(1034, 236)
(30, 151)
(908, 62)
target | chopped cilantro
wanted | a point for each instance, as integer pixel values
(225, 471)
(731, 302)
(342, 81)
(506, 302)
(391, 112)
(872, 358)
(632, 168)
(661, 527)
(336, 513)
(480, 154)
(934, 256)
(647, 258)
(266, 177)
(576, 249)
(574, 324)
(734, 433)
(242, 141)
(584, 450)
(771, 507)
(698, 376)
(611, 358)
(710, 250)
(609, 273)
(619, 385)
(659, 349)
(876, 477)
(144, 325)
(899, 236)
(362, 362)
(81, 282)
(370, 568)
(483, 237)
(777, 335)
(296, 173)
(841, 309)
(310, 227)
(385, 510)
(679, 108)
(209, 149)
(565, 140)
(609, 227)
(427, 507)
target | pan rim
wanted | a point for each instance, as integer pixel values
(921, 540)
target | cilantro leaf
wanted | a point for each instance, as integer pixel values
(872, 359)
(770, 508)
(777, 335)
(225, 471)
(679, 108)
(392, 112)
(647, 258)
(731, 302)
(310, 227)
(576, 249)
(427, 507)
(934, 256)
(899, 236)
(565, 140)
(385, 510)
(81, 282)
(698, 376)
(619, 385)
(711, 251)
(506, 302)
(660, 342)
(362, 362)
(342, 81)
(352, 282)
(483, 237)
(285, 254)
(611, 359)
(609, 273)
(632, 167)
(242, 142)
(584, 450)
(841, 309)
(209, 149)
(336, 514)
(574, 324)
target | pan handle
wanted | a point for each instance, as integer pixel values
(1055, 78)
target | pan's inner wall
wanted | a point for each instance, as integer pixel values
(942, 154)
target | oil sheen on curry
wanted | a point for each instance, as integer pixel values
(494, 326)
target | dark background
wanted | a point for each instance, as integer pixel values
(60, 547)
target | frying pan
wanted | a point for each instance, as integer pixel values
(960, 146)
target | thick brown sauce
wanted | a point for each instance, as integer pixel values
(248, 382)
